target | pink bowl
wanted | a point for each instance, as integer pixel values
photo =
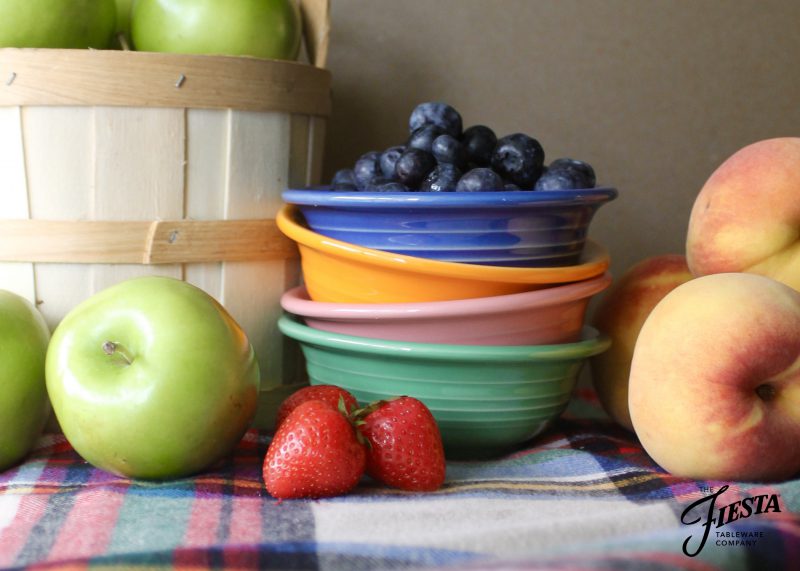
(541, 317)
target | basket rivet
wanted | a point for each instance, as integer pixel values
(11, 78)
(173, 237)
(180, 81)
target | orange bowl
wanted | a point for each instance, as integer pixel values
(340, 272)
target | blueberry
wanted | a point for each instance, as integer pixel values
(519, 158)
(391, 186)
(435, 113)
(480, 179)
(554, 180)
(443, 178)
(373, 184)
(367, 169)
(448, 150)
(344, 179)
(413, 166)
(584, 173)
(561, 179)
(388, 160)
(423, 137)
(510, 186)
(479, 142)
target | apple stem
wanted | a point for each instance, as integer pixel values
(123, 42)
(111, 348)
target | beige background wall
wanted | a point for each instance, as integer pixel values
(654, 93)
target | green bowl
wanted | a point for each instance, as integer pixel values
(486, 399)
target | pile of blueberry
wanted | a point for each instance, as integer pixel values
(439, 156)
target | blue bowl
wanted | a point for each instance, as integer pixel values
(505, 228)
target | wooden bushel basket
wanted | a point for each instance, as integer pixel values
(117, 164)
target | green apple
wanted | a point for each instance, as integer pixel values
(124, 8)
(259, 28)
(24, 407)
(57, 23)
(122, 33)
(152, 379)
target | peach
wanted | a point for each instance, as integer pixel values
(715, 379)
(620, 315)
(746, 217)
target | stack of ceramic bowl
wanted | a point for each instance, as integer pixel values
(473, 303)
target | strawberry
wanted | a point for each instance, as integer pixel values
(315, 453)
(405, 446)
(328, 393)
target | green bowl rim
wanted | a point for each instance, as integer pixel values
(593, 343)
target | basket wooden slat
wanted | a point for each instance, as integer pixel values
(140, 79)
(135, 242)
(316, 28)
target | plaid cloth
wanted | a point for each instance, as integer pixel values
(582, 496)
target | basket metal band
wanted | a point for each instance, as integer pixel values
(145, 242)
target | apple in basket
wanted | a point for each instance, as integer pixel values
(152, 379)
(124, 9)
(24, 407)
(260, 28)
(76, 24)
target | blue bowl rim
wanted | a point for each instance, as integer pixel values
(322, 196)
(592, 343)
